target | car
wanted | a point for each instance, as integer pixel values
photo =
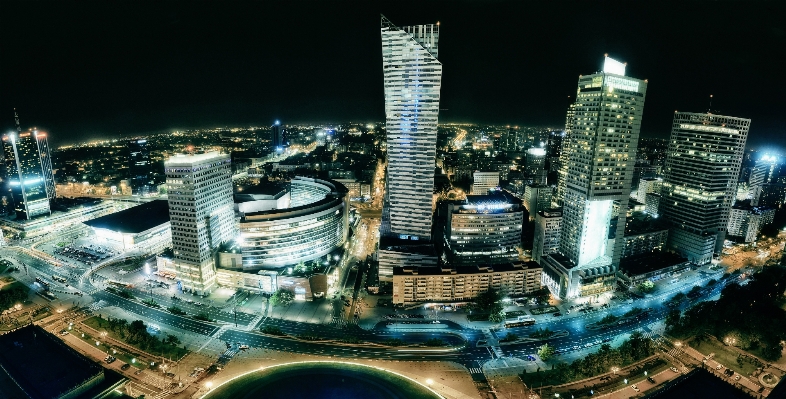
(243, 347)
(737, 377)
(718, 367)
(651, 380)
(109, 359)
(635, 388)
(64, 332)
(567, 312)
(674, 369)
(606, 340)
(557, 314)
(125, 366)
(138, 372)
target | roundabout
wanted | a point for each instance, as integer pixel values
(321, 380)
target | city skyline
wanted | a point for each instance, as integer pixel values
(146, 87)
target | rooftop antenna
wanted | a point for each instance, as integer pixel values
(16, 118)
(709, 110)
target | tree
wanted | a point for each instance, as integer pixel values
(645, 287)
(545, 352)
(282, 297)
(497, 314)
(673, 318)
(485, 300)
(171, 340)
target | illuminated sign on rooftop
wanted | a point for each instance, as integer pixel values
(707, 128)
(610, 65)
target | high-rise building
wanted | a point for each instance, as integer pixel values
(535, 165)
(29, 176)
(602, 151)
(482, 182)
(201, 215)
(648, 186)
(278, 138)
(564, 154)
(139, 167)
(702, 165)
(547, 231)
(412, 79)
(484, 229)
(537, 197)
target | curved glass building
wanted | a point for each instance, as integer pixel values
(314, 225)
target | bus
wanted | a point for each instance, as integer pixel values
(119, 284)
(43, 283)
(520, 322)
(58, 278)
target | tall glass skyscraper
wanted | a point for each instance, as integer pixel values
(700, 180)
(600, 155)
(28, 167)
(412, 78)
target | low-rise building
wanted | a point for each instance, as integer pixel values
(463, 283)
(651, 266)
(484, 181)
(146, 225)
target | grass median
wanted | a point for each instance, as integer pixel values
(140, 340)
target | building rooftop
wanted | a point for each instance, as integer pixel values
(134, 220)
(190, 159)
(649, 262)
(478, 269)
(42, 365)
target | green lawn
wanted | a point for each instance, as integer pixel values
(164, 350)
(724, 356)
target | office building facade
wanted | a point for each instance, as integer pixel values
(482, 182)
(535, 165)
(201, 212)
(412, 80)
(29, 176)
(547, 233)
(537, 197)
(600, 159)
(140, 169)
(702, 167)
(484, 229)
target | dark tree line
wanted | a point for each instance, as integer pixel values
(748, 316)
(635, 348)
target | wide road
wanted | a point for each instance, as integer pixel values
(156, 315)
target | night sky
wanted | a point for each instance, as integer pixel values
(104, 69)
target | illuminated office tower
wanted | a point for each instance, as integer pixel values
(412, 78)
(139, 166)
(535, 165)
(564, 155)
(278, 139)
(28, 167)
(602, 140)
(201, 212)
(700, 178)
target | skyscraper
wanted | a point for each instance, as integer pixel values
(412, 79)
(702, 164)
(278, 140)
(28, 167)
(599, 163)
(139, 166)
(201, 214)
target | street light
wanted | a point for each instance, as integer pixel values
(429, 381)
(209, 384)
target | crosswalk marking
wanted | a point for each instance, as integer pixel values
(475, 370)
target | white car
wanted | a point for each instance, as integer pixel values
(635, 388)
